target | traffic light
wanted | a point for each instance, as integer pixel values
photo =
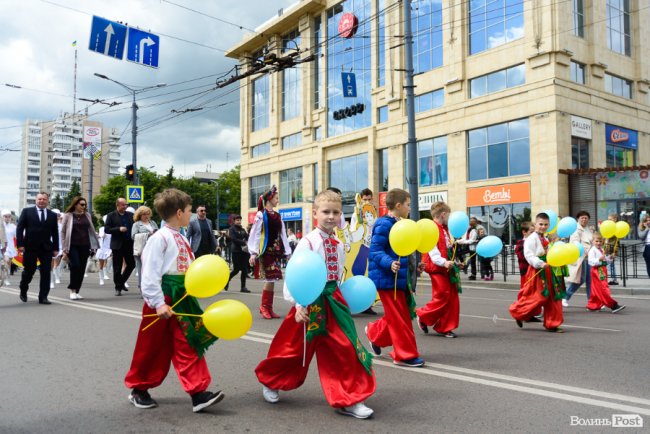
(130, 173)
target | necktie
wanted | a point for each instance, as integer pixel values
(42, 215)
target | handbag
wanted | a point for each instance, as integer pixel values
(138, 243)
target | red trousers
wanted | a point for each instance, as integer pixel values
(443, 311)
(159, 345)
(395, 327)
(600, 295)
(530, 300)
(344, 380)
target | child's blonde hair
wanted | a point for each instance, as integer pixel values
(438, 208)
(327, 196)
(597, 236)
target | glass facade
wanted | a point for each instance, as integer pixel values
(497, 81)
(499, 150)
(382, 114)
(261, 149)
(259, 184)
(429, 101)
(620, 146)
(349, 174)
(291, 82)
(426, 24)
(315, 175)
(291, 185)
(316, 49)
(260, 103)
(432, 161)
(578, 72)
(619, 28)
(579, 153)
(349, 55)
(494, 22)
(618, 86)
(381, 43)
(291, 141)
(503, 221)
(578, 18)
(383, 169)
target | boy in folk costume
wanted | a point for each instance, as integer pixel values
(268, 241)
(178, 339)
(600, 295)
(443, 311)
(344, 365)
(541, 288)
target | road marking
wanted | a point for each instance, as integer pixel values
(491, 318)
(440, 370)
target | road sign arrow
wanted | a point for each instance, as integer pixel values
(144, 42)
(109, 33)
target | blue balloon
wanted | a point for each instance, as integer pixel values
(566, 227)
(305, 276)
(580, 247)
(489, 246)
(552, 219)
(359, 293)
(458, 224)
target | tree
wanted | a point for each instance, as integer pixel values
(75, 191)
(57, 202)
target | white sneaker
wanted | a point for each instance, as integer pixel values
(126, 285)
(101, 280)
(7, 283)
(358, 410)
(106, 275)
(57, 280)
(565, 303)
(51, 285)
(73, 296)
(85, 274)
(79, 297)
(270, 395)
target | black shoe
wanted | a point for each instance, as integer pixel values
(142, 399)
(244, 290)
(225, 288)
(422, 326)
(472, 277)
(519, 324)
(44, 301)
(375, 348)
(125, 289)
(448, 334)
(23, 297)
(534, 319)
(613, 282)
(618, 307)
(369, 311)
(118, 292)
(205, 399)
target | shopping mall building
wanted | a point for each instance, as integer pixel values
(520, 106)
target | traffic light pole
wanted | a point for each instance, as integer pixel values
(411, 150)
(134, 139)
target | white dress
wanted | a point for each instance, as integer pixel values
(10, 230)
(105, 251)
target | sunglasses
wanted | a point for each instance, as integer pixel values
(82, 204)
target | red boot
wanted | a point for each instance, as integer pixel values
(267, 304)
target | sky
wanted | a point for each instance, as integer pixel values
(36, 53)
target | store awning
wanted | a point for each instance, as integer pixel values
(603, 169)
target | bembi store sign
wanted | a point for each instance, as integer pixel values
(499, 194)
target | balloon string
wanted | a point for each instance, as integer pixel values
(157, 319)
(304, 344)
(533, 276)
(470, 257)
(395, 284)
(175, 313)
(453, 255)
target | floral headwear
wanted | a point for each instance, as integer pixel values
(266, 197)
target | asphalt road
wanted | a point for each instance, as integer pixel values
(62, 369)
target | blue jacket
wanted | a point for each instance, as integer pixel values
(382, 256)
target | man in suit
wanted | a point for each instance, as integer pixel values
(37, 237)
(119, 224)
(200, 235)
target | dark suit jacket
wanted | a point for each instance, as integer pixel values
(112, 226)
(194, 235)
(31, 233)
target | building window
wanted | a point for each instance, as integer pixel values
(429, 101)
(503, 221)
(291, 141)
(382, 114)
(618, 86)
(427, 30)
(578, 72)
(350, 175)
(291, 185)
(618, 26)
(291, 88)
(259, 184)
(432, 161)
(315, 178)
(318, 134)
(579, 153)
(381, 43)
(578, 18)
(260, 104)
(383, 169)
(261, 149)
(497, 81)
(620, 146)
(499, 150)
(318, 78)
(494, 23)
(353, 55)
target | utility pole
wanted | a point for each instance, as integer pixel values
(411, 150)
(218, 222)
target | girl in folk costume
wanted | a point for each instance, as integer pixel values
(542, 287)
(600, 295)
(268, 241)
(344, 365)
(443, 311)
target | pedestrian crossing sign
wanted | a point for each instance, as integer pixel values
(135, 193)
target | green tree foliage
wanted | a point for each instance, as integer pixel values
(75, 191)
(57, 203)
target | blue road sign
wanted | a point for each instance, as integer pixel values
(107, 37)
(143, 47)
(135, 193)
(349, 84)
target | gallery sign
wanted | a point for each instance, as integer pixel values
(581, 127)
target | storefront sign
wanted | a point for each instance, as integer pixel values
(291, 214)
(425, 200)
(580, 127)
(633, 184)
(348, 25)
(383, 209)
(499, 194)
(251, 217)
(622, 137)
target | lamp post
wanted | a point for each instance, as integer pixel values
(134, 119)
(218, 222)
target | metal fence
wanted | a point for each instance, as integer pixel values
(629, 262)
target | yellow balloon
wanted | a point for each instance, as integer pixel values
(228, 319)
(404, 237)
(622, 229)
(555, 256)
(608, 229)
(206, 276)
(571, 253)
(429, 234)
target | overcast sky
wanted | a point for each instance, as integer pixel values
(36, 53)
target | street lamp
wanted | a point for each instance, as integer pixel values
(217, 183)
(134, 118)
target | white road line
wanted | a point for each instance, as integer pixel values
(472, 375)
(491, 318)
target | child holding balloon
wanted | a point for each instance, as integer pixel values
(324, 327)
(183, 340)
(600, 294)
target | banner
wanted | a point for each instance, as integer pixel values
(92, 141)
